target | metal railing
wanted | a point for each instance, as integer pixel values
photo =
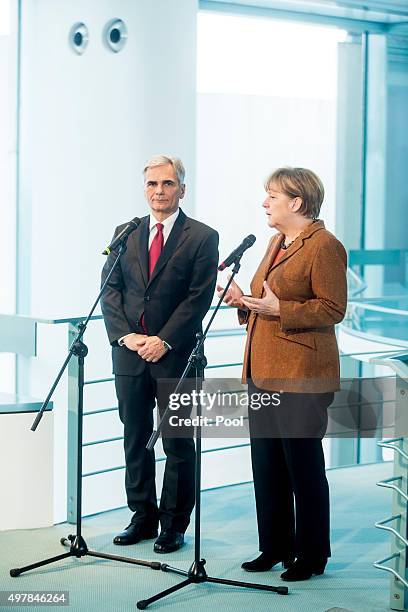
(398, 484)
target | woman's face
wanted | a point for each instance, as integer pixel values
(278, 206)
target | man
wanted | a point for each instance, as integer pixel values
(153, 307)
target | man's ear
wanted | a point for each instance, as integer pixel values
(182, 191)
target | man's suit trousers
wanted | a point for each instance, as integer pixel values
(136, 396)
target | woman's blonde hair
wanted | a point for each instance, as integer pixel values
(299, 183)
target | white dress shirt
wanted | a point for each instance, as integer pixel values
(167, 226)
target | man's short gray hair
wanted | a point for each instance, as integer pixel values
(163, 160)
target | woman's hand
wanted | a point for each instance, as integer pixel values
(233, 295)
(268, 305)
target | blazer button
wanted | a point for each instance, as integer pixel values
(147, 298)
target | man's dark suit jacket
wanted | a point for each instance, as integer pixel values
(174, 300)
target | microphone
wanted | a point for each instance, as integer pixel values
(238, 252)
(123, 235)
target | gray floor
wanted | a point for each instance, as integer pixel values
(229, 537)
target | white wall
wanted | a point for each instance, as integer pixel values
(88, 124)
(7, 176)
(7, 180)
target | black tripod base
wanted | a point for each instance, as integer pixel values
(197, 574)
(78, 548)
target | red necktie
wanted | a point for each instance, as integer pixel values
(156, 248)
(154, 253)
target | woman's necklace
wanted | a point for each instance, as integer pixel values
(284, 246)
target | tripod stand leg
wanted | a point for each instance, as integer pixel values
(174, 570)
(281, 590)
(155, 565)
(19, 570)
(143, 603)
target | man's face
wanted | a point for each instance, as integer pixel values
(163, 190)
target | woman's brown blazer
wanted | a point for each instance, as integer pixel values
(297, 351)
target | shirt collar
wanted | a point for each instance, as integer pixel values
(167, 223)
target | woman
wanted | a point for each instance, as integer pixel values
(298, 294)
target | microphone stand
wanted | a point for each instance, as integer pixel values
(197, 573)
(77, 544)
